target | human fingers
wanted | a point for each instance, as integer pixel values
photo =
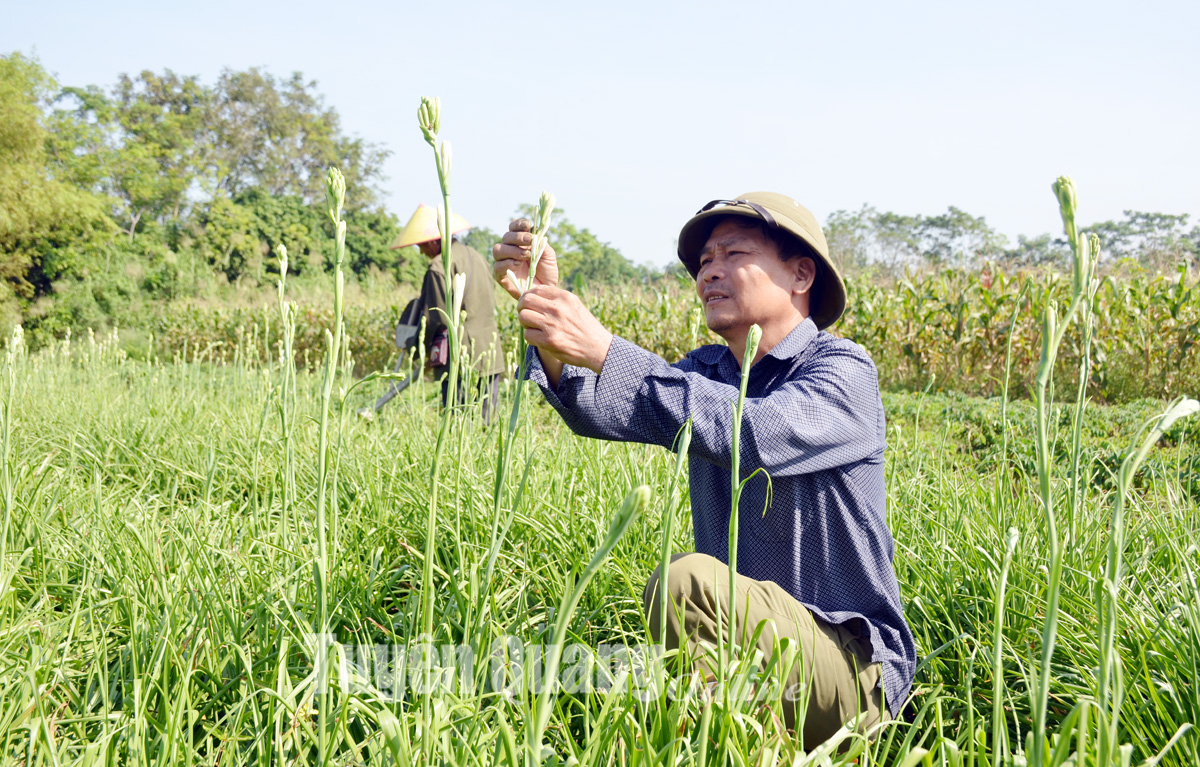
(522, 239)
(520, 225)
(548, 292)
(532, 318)
(547, 300)
(537, 337)
(509, 259)
(503, 262)
(510, 250)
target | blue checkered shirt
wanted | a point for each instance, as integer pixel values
(814, 421)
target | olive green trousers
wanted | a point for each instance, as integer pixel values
(831, 662)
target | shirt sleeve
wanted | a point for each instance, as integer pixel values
(825, 418)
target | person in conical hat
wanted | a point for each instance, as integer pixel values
(481, 340)
(813, 557)
(422, 229)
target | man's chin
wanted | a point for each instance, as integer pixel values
(720, 325)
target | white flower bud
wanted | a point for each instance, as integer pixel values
(444, 162)
(335, 193)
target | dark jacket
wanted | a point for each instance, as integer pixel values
(481, 338)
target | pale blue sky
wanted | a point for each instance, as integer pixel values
(636, 114)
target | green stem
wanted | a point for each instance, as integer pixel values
(997, 649)
(321, 567)
(1109, 701)
(633, 505)
(683, 443)
(1052, 335)
(6, 479)
(735, 478)
(504, 458)
(452, 328)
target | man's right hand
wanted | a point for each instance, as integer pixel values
(512, 253)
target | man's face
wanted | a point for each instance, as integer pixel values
(742, 281)
(431, 248)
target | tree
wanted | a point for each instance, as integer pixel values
(48, 228)
(162, 119)
(897, 240)
(1042, 250)
(958, 240)
(849, 236)
(230, 239)
(369, 238)
(143, 144)
(1157, 241)
(481, 239)
(867, 239)
(285, 220)
(279, 136)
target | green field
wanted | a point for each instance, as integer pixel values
(160, 539)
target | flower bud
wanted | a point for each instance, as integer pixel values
(753, 338)
(444, 162)
(544, 210)
(460, 288)
(281, 249)
(335, 193)
(1064, 190)
(535, 254)
(516, 283)
(1082, 257)
(429, 117)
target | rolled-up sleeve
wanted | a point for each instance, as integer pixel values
(828, 418)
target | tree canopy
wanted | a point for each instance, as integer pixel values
(47, 224)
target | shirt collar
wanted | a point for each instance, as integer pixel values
(796, 341)
(792, 344)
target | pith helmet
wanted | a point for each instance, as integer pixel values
(778, 212)
(423, 227)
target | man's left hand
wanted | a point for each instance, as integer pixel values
(558, 323)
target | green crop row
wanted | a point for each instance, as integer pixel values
(949, 331)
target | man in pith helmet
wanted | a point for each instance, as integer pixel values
(481, 341)
(817, 565)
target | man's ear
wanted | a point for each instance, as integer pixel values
(805, 270)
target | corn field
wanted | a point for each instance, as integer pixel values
(947, 331)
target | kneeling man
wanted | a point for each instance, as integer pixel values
(818, 564)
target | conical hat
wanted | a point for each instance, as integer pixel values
(423, 227)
